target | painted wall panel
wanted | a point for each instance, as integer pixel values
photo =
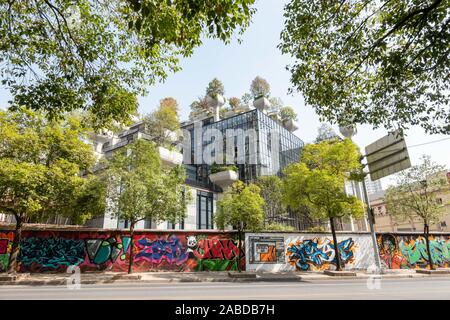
(275, 252)
(55, 251)
(409, 251)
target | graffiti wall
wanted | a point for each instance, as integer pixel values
(104, 250)
(54, 251)
(409, 251)
(306, 251)
(6, 238)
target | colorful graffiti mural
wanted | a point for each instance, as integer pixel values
(6, 239)
(55, 251)
(318, 253)
(50, 254)
(188, 253)
(410, 251)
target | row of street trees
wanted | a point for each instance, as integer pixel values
(47, 170)
(316, 182)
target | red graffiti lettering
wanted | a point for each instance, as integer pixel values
(3, 246)
(224, 249)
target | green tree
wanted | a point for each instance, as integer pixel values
(162, 123)
(275, 103)
(246, 98)
(170, 103)
(287, 113)
(234, 102)
(40, 164)
(61, 55)
(318, 182)
(377, 62)
(215, 87)
(271, 192)
(415, 196)
(140, 188)
(242, 208)
(200, 107)
(259, 88)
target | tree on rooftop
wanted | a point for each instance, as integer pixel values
(385, 63)
(215, 87)
(58, 55)
(287, 113)
(200, 107)
(170, 103)
(234, 102)
(162, 123)
(259, 88)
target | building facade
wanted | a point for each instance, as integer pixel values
(385, 222)
(258, 145)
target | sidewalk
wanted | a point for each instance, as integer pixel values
(174, 277)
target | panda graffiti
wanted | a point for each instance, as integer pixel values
(192, 244)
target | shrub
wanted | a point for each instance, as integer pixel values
(221, 167)
(259, 88)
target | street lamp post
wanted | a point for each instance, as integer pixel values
(349, 132)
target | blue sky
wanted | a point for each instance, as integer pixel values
(237, 64)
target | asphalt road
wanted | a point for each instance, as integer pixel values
(434, 288)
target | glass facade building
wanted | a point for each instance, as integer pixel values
(268, 147)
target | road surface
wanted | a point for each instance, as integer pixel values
(434, 288)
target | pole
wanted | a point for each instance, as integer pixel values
(371, 219)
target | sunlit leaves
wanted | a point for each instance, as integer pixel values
(384, 63)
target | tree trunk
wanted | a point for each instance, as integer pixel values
(427, 239)
(336, 246)
(130, 265)
(240, 250)
(12, 267)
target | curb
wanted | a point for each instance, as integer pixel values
(259, 278)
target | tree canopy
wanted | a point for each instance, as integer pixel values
(40, 164)
(318, 182)
(385, 63)
(414, 194)
(272, 193)
(241, 206)
(140, 188)
(162, 123)
(58, 55)
(40, 167)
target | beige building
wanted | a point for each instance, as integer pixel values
(384, 222)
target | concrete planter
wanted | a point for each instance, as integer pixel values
(290, 124)
(170, 158)
(348, 131)
(215, 103)
(173, 136)
(229, 113)
(244, 108)
(224, 179)
(262, 104)
(274, 116)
